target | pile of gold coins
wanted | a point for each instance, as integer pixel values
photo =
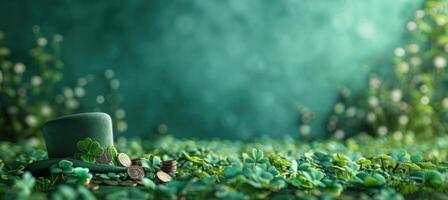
(134, 171)
(169, 166)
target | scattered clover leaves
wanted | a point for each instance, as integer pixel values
(67, 192)
(72, 175)
(358, 168)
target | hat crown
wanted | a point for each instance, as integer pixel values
(62, 134)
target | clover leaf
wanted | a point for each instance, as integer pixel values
(156, 161)
(89, 149)
(317, 175)
(431, 178)
(257, 154)
(400, 156)
(84, 145)
(96, 149)
(416, 158)
(193, 159)
(113, 175)
(148, 183)
(113, 152)
(80, 176)
(434, 178)
(21, 188)
(87, 158)
(64, 192)
(67, 192)
(381, 156)
(63, 166)
(232, 171)
(304, 166)
(374, 180)
(340, 159)
(55, 170)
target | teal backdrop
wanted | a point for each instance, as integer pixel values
(219, 68)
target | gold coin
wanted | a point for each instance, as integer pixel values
(110, 182)
(124, 159)
(163, 176)
(104, 159)
(170, 162)
(169, 166)
(97, 181)
(136, 172)
(93, 186)
(128, 183)
(169, 169)
(137, 161)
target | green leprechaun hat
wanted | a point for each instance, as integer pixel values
(66, 137)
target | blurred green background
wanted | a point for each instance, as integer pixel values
(212, 68)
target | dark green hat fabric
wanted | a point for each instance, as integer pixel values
(62, 134)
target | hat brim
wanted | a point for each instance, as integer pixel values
(43, 166)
